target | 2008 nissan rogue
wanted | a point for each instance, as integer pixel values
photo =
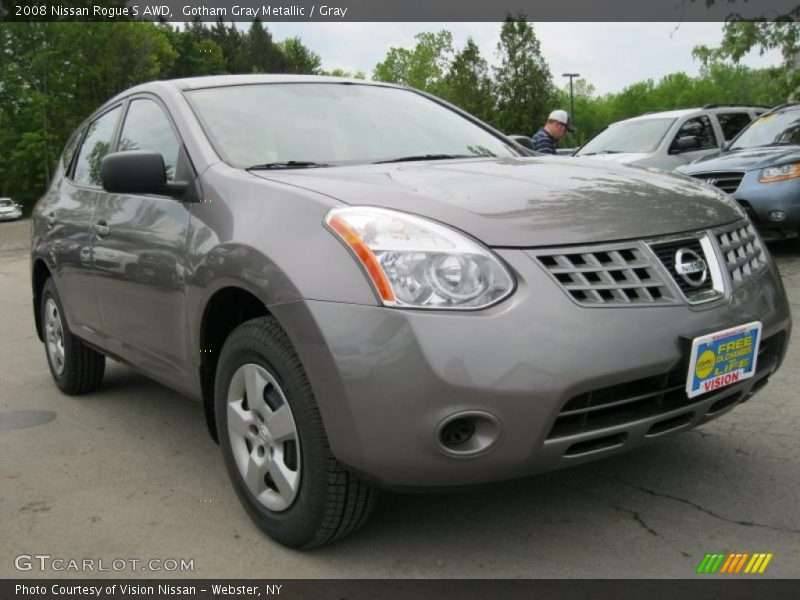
(366, 287)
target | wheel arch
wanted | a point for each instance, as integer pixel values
(40, 273)
(224, 310)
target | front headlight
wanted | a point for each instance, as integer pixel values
(779, 173)
(416, 263)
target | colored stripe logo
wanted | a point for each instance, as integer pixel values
(734, 563)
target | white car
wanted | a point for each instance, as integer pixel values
(9, 210)
(667, 140)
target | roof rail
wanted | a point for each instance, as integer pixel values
(732, 105)
(785, 105)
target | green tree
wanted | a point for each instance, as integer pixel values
(299, 58)
(337, 72)
(468, 85)
(523, 82)
(424, 67)
(741, 37)
(197, 51)
(262, 54)
(590, 111)
(231, 42)
(52, 75)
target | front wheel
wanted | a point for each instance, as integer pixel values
(274, 442)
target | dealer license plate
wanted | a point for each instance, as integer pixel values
(723, 358)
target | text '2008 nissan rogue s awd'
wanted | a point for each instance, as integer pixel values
(366, 287)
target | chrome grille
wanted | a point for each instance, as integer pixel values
(666, 255)
(743, 252)
(644, 272)
(727, 181)
(617, 274)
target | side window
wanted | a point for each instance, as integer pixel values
(69, 149)
(732, 123)
(147, 128)
(701, 128)
(95, 147)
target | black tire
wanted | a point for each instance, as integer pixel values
(83, 367)
(330, 502)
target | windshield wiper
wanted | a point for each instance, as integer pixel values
(291, 164)
(424, 157)
(603, 152)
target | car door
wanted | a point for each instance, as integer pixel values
(700, 127)
(68, 214)
(139, 252)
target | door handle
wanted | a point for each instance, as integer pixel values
(101, 228)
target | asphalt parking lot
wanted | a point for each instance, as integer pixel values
(129, 472)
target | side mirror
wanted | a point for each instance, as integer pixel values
(685, 143)
(523, 140)
(138, 172)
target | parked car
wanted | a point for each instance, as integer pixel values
(761, 169)
(407, 302)
(666, 140)
(527, 143)
(9, 210)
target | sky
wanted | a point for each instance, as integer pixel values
(610, 56)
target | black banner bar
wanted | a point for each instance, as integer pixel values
(734, 588)
(399, 10)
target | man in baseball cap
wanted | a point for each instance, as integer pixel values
(558, 123)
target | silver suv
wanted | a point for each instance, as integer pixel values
(667, 140)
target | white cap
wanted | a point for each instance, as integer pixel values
(562, 116)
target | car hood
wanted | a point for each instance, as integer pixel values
(744, 160)
(525, 202)
(619, 157)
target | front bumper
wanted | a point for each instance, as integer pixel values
(386, 379)
(11, 216)
(760, 200)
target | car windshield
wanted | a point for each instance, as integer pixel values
(302, 125)
(5, 202)
(628, 136)
(772, 129)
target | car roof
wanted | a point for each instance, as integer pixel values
(194, 83)
(210, 81)
(684, 112)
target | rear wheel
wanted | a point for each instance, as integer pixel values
(76, 368)
(274, 443)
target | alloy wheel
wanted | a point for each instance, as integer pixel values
(54, 336)
(263, 437)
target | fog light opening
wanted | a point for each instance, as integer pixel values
(467, 434)
(457, 432)
(777, 215)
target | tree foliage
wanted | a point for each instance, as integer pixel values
(54, 74)
(523, 83)
(468, 84)
(423, 67)
(741, 37)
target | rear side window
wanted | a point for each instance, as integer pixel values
(701, 128)
(95, 147)
(732, 123)
(147, 128)
(69, 149)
